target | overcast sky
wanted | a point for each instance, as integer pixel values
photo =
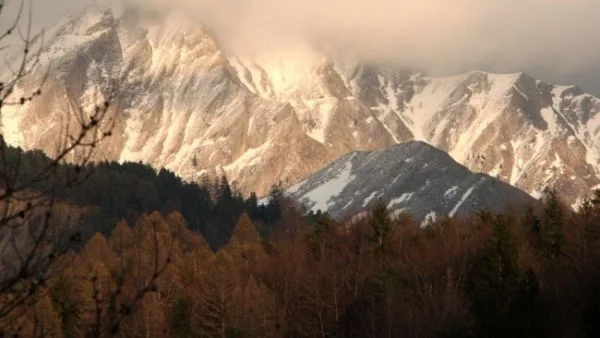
(554, 40)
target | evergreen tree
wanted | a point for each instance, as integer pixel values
(531, 222)
(322, 233)
(504, 298)
(552, 235)
(224, 190)
(251, 206)
(166, 184)
(380, 226)
(532, 226)
(274, 209)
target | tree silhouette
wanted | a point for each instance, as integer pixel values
(552, 235)
(30, 231)
(381, 226)
(504, 297)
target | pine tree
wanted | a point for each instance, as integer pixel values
(530, 221)
(504, 298)
(380, 226)
(322, 233)
(532, 226)
(251, 206)
(552, 235)
(276, 203)
(225, 193)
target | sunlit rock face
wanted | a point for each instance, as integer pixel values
(184, 104)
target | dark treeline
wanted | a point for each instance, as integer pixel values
(534, 274)
(116, 191)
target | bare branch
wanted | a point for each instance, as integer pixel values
(16, 21)
(27, 201)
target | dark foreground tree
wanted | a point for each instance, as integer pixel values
(505, 298)
(34, 230)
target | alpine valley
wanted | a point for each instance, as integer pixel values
(182, 103)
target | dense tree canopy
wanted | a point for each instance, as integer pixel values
(162, 257)
(125, 191)
(484, 276)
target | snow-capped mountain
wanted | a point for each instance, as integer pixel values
(184, 104)
(411, 177)
(529, 133)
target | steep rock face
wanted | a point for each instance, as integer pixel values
(529, 133)
(85, 55)
(411, 177)
(180, 103)
(183, 104)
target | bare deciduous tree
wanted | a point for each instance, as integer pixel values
(32, 228)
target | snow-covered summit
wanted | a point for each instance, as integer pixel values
(187, 105)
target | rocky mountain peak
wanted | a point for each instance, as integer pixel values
(187, 105)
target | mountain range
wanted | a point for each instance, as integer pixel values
(180, 101)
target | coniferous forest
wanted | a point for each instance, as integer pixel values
(152, 256)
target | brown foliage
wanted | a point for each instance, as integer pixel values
(310, 280)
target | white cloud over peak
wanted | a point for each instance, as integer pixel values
(552, 38)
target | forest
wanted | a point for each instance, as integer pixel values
(112, 192)
(91, 248)
(165, 258)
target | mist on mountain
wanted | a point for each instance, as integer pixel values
(436, 36)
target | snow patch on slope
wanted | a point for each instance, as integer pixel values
(251, 157)
(369, 198)
(402, 199)
(324, 109)
(321, 197)
(430, 218)
(550, 117)
(428, 102)
(461, 201)
(451, 192)
(490, 105)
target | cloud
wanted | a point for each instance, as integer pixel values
(550, 38)
(437, 35)
(45, 13)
